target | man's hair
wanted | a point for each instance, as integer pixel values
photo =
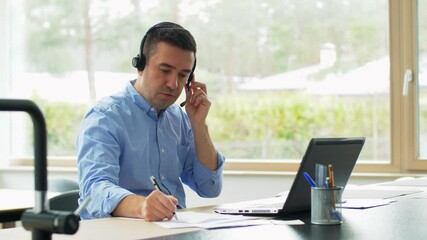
(170, 33)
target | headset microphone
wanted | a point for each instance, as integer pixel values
(187, 85)
(187, 88)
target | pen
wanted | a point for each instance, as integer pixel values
(157, 187)
(331, 176)
(331, 184)
(320, 175)
(309, 179)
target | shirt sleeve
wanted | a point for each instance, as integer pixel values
(208, 183)
(98, 154)
(205, 182)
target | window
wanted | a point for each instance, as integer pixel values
(422, 79)
(278, 73)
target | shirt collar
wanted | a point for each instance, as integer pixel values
(134, 95)
(139, 100)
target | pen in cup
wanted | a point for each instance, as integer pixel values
(331, 184)
(331, 176)
(309, 179)
(320, 175)
(157, 187)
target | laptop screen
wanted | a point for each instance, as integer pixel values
(342, 153)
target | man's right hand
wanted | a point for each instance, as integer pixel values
(155, 207)
(158, 206)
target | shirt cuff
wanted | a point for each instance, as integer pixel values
(204, 174)
(110, 200)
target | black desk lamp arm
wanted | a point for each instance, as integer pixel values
(40, 141)
(40, 220)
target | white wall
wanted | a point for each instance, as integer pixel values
(236, 187)
(4, 78)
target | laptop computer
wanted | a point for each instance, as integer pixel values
(342, 153)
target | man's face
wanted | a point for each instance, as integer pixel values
(165, 75)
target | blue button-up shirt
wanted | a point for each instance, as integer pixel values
(123, 141)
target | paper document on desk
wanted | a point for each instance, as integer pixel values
(365, 203)
(363, 193)
(214, 220)
(415, 182)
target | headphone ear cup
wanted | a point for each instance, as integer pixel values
(139, 62)
(135, 61)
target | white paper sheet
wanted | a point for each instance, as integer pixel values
(213, 220)
(365, 203)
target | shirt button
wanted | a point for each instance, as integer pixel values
(163, 150)
(163, 177)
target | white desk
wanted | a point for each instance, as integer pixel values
(14, 202)
(375, 223)
(403, 219)
(107, 228)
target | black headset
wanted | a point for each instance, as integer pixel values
(140, 60)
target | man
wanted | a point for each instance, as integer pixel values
(139, 132)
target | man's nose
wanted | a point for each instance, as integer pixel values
(172, 81)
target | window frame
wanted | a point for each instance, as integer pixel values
(410, 112)
(404, 113)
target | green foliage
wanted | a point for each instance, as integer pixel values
(273, 36)
(54, 29)
(258, 125)
(279, 124)
(63, 123)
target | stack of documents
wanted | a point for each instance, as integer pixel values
(213, 220)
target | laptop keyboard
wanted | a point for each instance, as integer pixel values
(276, 202)
(270, 205)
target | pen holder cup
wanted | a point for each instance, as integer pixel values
(326, 205)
